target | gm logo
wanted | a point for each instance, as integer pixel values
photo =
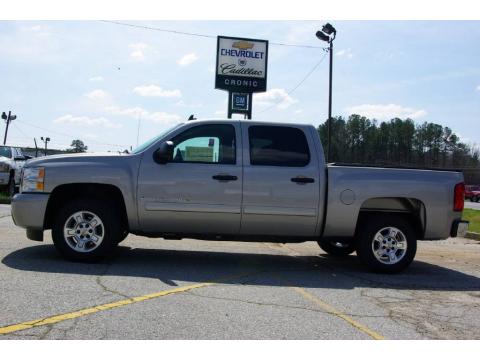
(239, 101)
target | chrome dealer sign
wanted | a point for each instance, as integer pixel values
(241, 64)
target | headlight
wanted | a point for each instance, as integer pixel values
(4, 167)
(32, 179)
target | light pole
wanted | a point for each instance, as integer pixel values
(45, 140)
(8, 119)
(328, 34)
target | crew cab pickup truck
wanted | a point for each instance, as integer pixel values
(239, 180)
(11, 163)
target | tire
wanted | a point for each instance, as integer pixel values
(474, 199)
(11, 186)
(93, 226)
(337, 249)
(123, 236)
(375, 238)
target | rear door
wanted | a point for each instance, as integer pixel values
(280, 181)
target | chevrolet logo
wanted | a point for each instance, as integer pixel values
(242, 45)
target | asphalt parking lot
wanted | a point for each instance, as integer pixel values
(166, 289)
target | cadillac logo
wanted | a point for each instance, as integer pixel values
(242, 62)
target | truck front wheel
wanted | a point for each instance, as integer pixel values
(337, 249)
(86, 230)
(386, 243)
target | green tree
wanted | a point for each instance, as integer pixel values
(77, 146)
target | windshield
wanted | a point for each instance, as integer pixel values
(5, 151)
(154, 140)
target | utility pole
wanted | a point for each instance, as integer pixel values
(328, 34)
(8, 119)
(36, 147)
(329, 157)
(45, 140)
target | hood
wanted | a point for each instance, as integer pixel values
(76, 157)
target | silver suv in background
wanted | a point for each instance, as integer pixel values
(12, 160)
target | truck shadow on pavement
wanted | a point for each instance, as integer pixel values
(170, 266)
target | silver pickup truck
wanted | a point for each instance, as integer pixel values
(237, 180)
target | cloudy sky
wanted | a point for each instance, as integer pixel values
(95, 80)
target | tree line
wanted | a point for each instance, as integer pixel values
(400, 143)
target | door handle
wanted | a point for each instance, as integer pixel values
(221, 177)
(302, 180)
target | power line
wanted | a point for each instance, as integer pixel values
(21, 131)
(144, 27)
(292, 90)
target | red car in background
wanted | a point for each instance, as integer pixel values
(472, 192)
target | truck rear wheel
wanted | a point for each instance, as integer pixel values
(337, 248)
(386, 243)
(86, 230)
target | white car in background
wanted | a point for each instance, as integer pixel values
(12, 160)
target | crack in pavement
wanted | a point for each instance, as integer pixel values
(418, 310)
(105, 288)
(255, 302)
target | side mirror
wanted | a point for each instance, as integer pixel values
(164, 153)
(20, 158)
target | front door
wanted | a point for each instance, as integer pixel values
(199, 191)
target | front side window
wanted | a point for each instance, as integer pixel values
(211, 144)
(278, 146)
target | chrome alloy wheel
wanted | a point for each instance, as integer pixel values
(389, 245)
(84, 231)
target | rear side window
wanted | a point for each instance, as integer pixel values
(278, 146)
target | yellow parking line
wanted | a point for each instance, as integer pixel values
(330, 309)
(94, 309)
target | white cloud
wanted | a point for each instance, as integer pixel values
(138, 51)
(138, 112)
(85, 120)
(164, 118)
(156, 91)
(386, 112)
(97, 94)
(478, 88)
(346, 53)
(299, 111)
(96, 79)
(38, 30)
(187, 59)
(278, 97)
